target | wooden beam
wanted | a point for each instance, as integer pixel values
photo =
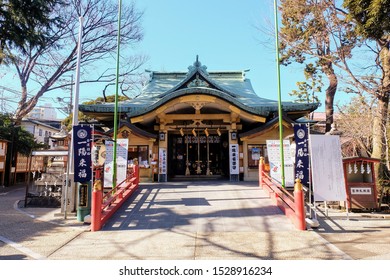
(197, 98)
(196, 116)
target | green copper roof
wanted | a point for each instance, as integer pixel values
(231, 86)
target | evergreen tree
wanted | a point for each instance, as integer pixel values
(25, 22)
(308, 90)
(23, 140)
(315, 33)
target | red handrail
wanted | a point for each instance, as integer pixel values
(111, 195)
(281, 192)
(291, 205)
(103, 207)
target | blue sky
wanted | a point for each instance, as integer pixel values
(224, 33)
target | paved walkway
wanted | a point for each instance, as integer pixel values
(189, 221)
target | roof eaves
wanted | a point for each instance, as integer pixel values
(134, 129)
(208, 91)
(265, 127)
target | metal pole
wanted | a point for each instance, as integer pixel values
(77, 82)
(66, 189)
(70, 105)
(75, 119)
(309, 185)
(67, 183)
(116, 94)
(279, 94)
(28, 179)
(11, 151)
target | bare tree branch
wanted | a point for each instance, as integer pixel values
(46, 65)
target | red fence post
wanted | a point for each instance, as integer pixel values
(96, 207)
(261, 170)
(299, 205)
(136, 175)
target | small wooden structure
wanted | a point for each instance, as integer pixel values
(46, 188)
(360, 182)
(49, 172)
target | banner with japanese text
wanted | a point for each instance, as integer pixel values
(82, 144)
(234, 163)
(302, 157)
(121, 162)
(327, 168)
(108, 164)
(273, 149)
(121, 159)
(162, 161)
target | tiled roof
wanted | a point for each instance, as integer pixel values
(231, 86)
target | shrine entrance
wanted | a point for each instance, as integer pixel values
(198, 156)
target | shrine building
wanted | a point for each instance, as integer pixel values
(199, 124)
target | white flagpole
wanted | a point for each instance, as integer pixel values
(280, 109)
(75, 121)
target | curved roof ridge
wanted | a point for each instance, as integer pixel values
(198, 69)
(206, 91)
(231, 86)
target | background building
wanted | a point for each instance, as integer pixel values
(45, 112)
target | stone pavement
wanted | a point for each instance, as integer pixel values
(190, 221)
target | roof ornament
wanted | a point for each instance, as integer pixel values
(197, 62)
(62, 134)
(197, 66)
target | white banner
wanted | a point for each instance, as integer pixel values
(162, 161)
(108, 172)
(273, 150)
(327, 168)
(121, 161)
(234, 164)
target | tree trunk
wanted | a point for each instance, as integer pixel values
(22, 102)
(330, 94)
(379, 125)
(380, 121)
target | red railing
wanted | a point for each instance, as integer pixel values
(103, 207)
(291, 205)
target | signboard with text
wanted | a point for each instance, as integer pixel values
(162, 161)
(301, 136)
(121, 159)
(82, 144)
(327, 168)
(108, 164)
(121, 162)
(273, 149)
(234, 154)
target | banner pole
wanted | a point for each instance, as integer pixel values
(279, 94)
(116, 94)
